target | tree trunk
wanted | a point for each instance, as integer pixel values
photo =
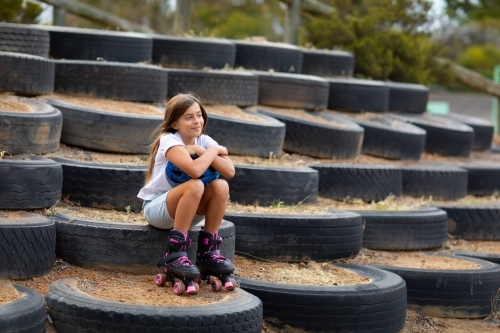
(182, 17)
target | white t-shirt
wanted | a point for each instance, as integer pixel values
(159, 183)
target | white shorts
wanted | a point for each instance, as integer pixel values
(156, 213)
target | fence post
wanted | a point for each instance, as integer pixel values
(494, 101)
(59, 16)
(182, 17)
(292, 22)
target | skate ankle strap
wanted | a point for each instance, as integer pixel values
(170, 257)
(210, 241)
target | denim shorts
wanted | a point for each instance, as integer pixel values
(156, 213)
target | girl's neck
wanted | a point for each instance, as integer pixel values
(188, 141)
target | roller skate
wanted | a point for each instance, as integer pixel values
(214, 268)
(176, 267)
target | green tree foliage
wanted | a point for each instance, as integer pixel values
(481, 58)
(19, 11)
(387, 37)
(237, 19)
(473, 9)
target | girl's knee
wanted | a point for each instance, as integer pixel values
(220, 186)
(195, 187)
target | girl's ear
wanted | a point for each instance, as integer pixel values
(174, 125)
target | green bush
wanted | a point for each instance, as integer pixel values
(481, 58)
(19, 11)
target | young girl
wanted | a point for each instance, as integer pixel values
(180, 207)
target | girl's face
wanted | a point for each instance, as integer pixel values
(190, 124)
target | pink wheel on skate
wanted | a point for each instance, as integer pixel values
(230, 285)
(198, 280)
(216, 285)
(211, 279)
(179, 288)
(160, 280)
(194, 289)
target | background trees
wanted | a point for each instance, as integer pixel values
(19, 11)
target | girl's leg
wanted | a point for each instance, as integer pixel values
(182, 202)
(213, 204)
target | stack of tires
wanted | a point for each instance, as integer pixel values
(301, 101)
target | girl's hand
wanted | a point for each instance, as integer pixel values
(223, 151)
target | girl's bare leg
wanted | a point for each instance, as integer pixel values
(182, 202)
(213, 204)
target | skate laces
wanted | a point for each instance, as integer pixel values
(217, 258)
(182, 261)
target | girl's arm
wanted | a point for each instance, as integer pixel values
(181, 158)
(221, 163)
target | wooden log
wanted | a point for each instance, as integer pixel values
(97, 15)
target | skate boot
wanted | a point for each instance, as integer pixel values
(214, 268)
(176, 267)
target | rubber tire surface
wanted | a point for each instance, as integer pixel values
(28, 243)
(491, 257)
(108, 131)
(473, 222)
(71, 309)
(407, 97)
(26, 74)
(94, 44)
(32, 183)
(297, 238)
(112, 80)
(34, 132)
(215, 87)
(444, 136)
(376, 307)
(23, 38)
(358, 181)
(450, 293)
(357, 95)
(247, 137)
(292, 90)
(420, 229)
(327, 62)
(319, 139)
(484, 177)
(266, 185)
(24, 315)
(102, 185)
(391, 138)
(192, 53)
(124, 247)
(483, 129)
(439, 181)
(268, 56)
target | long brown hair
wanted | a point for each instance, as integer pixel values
(176, 107)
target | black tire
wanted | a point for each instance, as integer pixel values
(113, 80)
(483, 129)
(30, 183)
(253, 184)
(26, 74)
(22, 38)
(450, 293)
(71, 309)
(24, 315)
(439, 181)
(391, 138)
(94, 44)
(491, 257)
(100, 185)
(376, 307)
(407, 97)
(268, 56)
(101, 130)
(124, 247)
(327, 62)
(340, 138)
(444, 136)
(215, 87)
(473, 222)
(420, 229)
(28, 243)
(34, 132)
(296, 238)
(357, 95)
(357, 181)
(247, 137)
(495, 148)
(292, 90)
(192, 53)
(484, 177)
